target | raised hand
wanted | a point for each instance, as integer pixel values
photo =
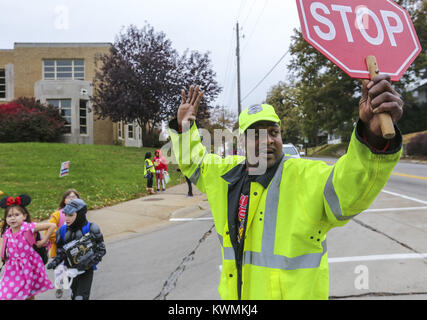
(187, 111)
(378, 95)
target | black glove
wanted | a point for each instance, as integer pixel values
(87, 263)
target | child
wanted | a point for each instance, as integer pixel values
(149, 172)
(75, 227)
(24, 272)
(161, 167)
(58, 217)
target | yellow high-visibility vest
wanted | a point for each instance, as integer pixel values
(285, 252)
(148, 167)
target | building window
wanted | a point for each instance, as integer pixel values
(82, 116)
(64, 106)
(120, 129)
(2, 84)
(64, 69)
(130, 131)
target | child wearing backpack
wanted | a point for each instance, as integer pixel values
(24, 272)
(58, 217)
(149, 172)
(76, 226)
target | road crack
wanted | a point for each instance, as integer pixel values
(386, 235)
(377, 294)
(172, 280)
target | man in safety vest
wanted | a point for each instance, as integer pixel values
(272, 225)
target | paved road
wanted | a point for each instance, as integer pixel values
(378, 255)
(139, 266)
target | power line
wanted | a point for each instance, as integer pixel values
(268, 73)
(249, 13)
(242, 4)
(227, 68)
(255, 25)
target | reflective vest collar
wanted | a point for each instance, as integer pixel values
(234, 175)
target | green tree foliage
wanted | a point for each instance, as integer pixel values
(415, 112)
(418, 11)
(319, 96)
(328, 98)
(285, 100)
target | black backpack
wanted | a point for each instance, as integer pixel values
(41, 251)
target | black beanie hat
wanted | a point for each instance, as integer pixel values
(80, 221)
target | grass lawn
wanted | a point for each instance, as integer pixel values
(104, 175)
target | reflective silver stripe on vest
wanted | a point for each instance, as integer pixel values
(228, 251)
(196, 174)
(267, 258)
(309, 260)
(332, 199)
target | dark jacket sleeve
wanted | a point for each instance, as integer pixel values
(99, 239)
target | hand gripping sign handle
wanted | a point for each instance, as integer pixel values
(387, 127)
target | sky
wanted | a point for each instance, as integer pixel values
(266, 27)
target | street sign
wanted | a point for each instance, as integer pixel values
(347, 31)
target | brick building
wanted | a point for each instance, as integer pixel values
(62, 74)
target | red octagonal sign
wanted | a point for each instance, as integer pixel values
(347, 31)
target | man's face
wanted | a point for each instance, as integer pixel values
(271, 147)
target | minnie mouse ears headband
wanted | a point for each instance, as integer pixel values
(22, 200)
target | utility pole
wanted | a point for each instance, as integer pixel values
(239, 106)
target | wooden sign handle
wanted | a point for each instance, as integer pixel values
(387, 127)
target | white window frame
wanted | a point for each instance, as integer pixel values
(55, 70)
(83, 117)
(130, 125)
(120, 134)
(3, 80)
(70, 125)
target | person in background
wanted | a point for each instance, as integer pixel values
(149, 172)
(76, 225)
(160, 166)
(58, 217)
(190, 187)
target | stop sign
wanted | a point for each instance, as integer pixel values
(347, 31)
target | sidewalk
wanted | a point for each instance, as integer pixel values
(148, 213)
